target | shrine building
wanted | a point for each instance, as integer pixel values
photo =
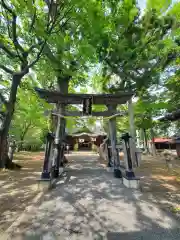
(84, 141)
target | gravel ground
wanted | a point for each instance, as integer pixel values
(89, 203)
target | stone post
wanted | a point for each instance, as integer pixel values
(46, 166)
(153, 148)
(109, 164)
(127, 155)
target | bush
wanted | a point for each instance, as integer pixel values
(94, 148)
(76, 147)
(31, 146)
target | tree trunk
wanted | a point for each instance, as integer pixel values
(23, 136)
(142, 138)
(3, 151)
(138, 138)
(20, 146)
(152, 142)
(146, 141)
(7, 121)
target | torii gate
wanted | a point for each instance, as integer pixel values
(111, 101)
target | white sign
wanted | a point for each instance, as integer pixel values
(93, 139)
(81, 140)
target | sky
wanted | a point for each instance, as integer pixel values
(142, 4)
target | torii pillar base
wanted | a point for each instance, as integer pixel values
(133, 182)
(45, 176)
(117, 173)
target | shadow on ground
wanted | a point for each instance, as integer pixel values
(18, 187)
(160, 182)
(88, 203)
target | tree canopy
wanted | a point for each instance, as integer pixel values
(138, 48)
(88, 46)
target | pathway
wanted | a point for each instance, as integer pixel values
(89, 203)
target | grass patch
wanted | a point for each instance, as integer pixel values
(176, 209)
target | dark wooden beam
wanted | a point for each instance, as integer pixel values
(72, 98)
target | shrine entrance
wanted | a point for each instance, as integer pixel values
(85, 141)
(55, 147)
(85, 146)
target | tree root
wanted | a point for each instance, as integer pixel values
(65, 160)
(11, 165)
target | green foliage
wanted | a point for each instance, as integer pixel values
(107, 46)
(146, 108)
(94, 148)
(70, 53)
(19, 40)
(84, 130)
(162, 129)
(76, 147)
(172, 95)
(137, 49)
(160, 5)
(33, 145)
(29, 122)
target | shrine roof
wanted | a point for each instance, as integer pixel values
(77, 98)
(87, 134)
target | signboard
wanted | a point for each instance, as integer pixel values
(93, 139)
(87, 106)
(81, 140)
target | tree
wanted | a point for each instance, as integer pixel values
(72, 54)
(172, 85)
(137, 48)
(25, 29)
(148, 107)
(29, 113)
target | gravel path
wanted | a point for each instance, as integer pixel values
(89, 203)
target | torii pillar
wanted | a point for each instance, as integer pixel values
(57, 162)
(132, 133)
(112, 132)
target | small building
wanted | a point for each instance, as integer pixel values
(174, 116)
(85, 140)
(176, 140)
(164, 143)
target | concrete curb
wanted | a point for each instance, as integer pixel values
(110, 169)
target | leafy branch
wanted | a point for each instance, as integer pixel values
(2, 98)
(6, 69)
(21, 52)
(33, 21)
(15, 41)
(5, 49)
